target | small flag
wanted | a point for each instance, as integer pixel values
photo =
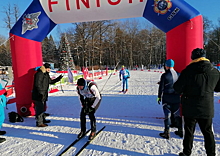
(70, 76)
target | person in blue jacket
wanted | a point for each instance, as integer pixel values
(124, 74)
(2, 111)
(170, 100)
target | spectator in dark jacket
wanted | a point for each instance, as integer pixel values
(197, 83)
(40, 92)
(170, 100)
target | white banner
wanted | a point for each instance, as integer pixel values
(70, 11)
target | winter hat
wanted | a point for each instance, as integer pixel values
(81, 82)
(46, 65)
(169, 63)
(197, 53)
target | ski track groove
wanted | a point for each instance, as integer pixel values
(133, 122)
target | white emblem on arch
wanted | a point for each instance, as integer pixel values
(30, 21)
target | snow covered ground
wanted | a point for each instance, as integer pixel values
(133, 122)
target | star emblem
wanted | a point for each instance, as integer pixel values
(30, 21)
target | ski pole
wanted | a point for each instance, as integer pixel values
(61, 87)
(109, 77)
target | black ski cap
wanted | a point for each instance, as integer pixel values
(81, 82)
(197, 53)
(47, 65)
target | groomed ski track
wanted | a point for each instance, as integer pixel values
(133, 122)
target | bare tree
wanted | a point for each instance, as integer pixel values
(107, 42)
(5, 55)
(11, 15)
(208, 27)
(16, 12)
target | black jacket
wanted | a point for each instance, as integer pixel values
(41, 84)
(197, 83)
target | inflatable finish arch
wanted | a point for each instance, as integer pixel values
(182, 24)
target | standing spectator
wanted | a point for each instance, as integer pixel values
(170, 100)
(124, 74)
(197, 83)
(40, 93)
(90, 99)
(2, 111)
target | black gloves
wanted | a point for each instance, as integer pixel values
(60, 77)
(91, 109)
(87, 107)
(88, 110)
(158, 100)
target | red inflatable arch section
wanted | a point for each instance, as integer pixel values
(182, 24)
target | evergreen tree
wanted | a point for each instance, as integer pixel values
(49, 50)
(66, 59)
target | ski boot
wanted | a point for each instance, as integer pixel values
(179, 133)
(2, 132)
(42, 125)
(46, 114)
(81, 134)
(46, 121)
(92, 135)
(173, 126)
(165, 134)
(183, 154)
(2, 140)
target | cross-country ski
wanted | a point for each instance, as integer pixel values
(73, 143)
(88, 142)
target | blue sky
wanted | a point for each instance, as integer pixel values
(208, 8)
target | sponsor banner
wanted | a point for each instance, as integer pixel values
(70, 11)
(43, 15)
(168, 14)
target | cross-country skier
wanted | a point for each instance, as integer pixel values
(90, 99)
(124, 74)
(170, 100)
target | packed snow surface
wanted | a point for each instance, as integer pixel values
(133, 122)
